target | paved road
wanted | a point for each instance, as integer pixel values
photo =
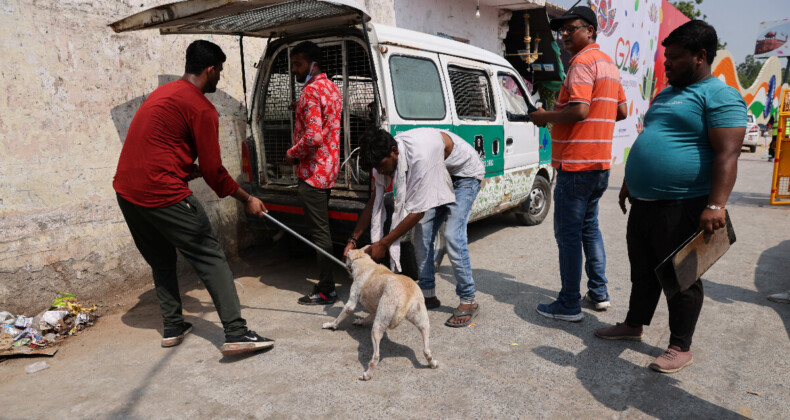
(512, 363)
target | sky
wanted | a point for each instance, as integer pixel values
(736, 21)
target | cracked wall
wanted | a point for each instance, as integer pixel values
(71, 88)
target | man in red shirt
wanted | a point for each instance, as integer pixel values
(316, 152)
(176, 125)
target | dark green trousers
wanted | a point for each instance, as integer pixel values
(184, 226)
(315, 202)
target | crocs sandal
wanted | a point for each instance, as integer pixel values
(458, 314)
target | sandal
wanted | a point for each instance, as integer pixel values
(458, 314)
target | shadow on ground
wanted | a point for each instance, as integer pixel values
(772, 260)
(613, 381)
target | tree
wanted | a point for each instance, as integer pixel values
(748, 70)
(689, 8)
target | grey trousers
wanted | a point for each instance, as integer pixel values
(158, 232)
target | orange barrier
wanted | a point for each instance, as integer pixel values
(780, 185)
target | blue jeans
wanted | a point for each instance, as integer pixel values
(457, 216)
(576, 198)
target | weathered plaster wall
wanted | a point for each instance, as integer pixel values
(71, 87)
(381, 11)
(452, 17)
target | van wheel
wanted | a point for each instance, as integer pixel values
(752, 149)
(536, 207)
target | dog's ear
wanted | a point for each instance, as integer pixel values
(364, 248)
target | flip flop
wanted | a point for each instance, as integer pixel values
(458, 314)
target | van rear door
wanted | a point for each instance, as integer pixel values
(260, 18)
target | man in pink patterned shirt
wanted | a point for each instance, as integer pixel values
(316, 152)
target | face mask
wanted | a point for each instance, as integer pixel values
(309, 73)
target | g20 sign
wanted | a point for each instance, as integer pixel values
(626, 56)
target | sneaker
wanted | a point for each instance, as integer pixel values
(318, 298)
(247, 342)
(672, 360)
(557, 311)
(780, 297)
(620, 331)
(599, 305)
(174, 336)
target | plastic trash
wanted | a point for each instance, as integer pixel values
(35, 367)
(60, 301)
(10, 330)
(53, 317)
(23, 321)
(6, 318)
(81, 318)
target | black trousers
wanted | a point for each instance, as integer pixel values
(184, 226)
(315, 202)
(655, 229)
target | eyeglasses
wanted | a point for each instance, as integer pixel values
(570, 29)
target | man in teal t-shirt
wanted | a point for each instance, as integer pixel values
(678, 177)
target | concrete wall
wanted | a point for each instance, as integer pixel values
(71, 87)
(452, 17)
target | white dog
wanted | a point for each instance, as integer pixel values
(389, 297)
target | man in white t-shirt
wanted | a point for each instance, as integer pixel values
(436, 177)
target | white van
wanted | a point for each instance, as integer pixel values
(413, 80)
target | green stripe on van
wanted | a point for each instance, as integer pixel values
(494, 164)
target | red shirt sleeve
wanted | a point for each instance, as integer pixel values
(205, 131)
(312, 123)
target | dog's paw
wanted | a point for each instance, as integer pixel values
(328, 326)
(365, 377)
(434, 364)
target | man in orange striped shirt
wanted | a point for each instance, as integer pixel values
(591, 100)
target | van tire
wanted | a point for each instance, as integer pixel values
(752, 149)
(536, 207)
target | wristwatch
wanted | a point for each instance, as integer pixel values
(714, 207)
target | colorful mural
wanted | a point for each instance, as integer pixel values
(628, 32)
(762, 97)
(670, 18)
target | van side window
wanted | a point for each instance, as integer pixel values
(417, 88)
(472, 94)
(516, 107)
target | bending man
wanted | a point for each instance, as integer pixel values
(436, 176)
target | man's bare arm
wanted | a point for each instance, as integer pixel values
(726, 144)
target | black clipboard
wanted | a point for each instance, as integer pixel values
(693, 258)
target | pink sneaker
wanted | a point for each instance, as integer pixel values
(672, 360)
(620, 331)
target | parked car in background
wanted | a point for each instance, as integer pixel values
(752, 133)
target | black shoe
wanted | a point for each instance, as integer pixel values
(432, 303)
(174, 336)
(247, 342)
(318, 298)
